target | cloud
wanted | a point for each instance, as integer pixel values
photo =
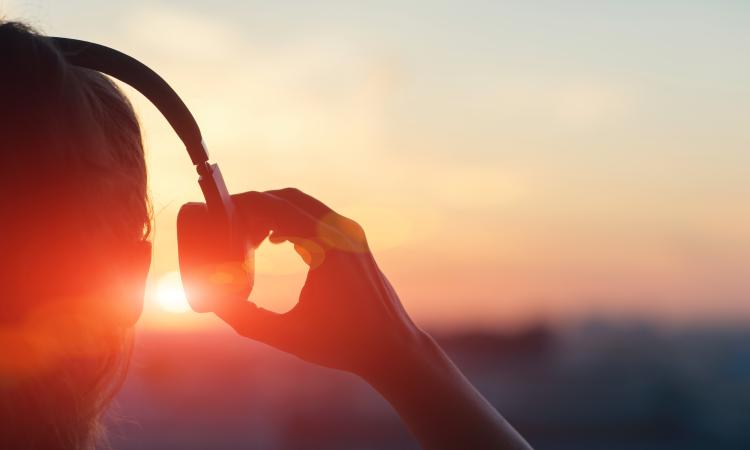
(280, 97)
(590, 104)
(182, 34)
(574, 105)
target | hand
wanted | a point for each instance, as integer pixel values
(348, 315)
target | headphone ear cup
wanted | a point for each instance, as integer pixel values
(212, 268)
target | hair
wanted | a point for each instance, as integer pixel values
(73, 201)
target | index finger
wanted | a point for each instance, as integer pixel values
(303, 201)
(262, 210)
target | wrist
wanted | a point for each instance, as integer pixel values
(417, 359)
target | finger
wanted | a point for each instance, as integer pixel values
(260, 209)
(255, 229)
(311, 252)
(253, 322)
(333, 229)
(303, 201)
(278, 238)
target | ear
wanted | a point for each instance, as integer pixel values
(133, 284)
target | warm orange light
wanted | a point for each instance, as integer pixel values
(169, 294)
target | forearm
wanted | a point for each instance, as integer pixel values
(440, 406)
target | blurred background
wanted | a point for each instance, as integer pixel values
(557, 190)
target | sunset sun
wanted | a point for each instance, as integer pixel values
(169, 294)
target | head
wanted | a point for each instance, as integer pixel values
(74, 218)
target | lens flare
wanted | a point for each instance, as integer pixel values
(169, 294)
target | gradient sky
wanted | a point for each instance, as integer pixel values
(510, 162)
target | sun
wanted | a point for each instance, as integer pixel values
(169, 294)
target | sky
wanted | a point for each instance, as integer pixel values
(510, 162)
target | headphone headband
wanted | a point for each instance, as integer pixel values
(136, 74)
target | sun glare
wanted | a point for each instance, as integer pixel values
(169, 294)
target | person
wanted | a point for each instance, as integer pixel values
(74, 229)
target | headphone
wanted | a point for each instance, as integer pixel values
(215, 258)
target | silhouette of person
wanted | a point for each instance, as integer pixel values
(73, 236)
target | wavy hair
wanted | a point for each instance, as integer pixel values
(73, 195)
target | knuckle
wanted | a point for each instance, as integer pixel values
(247, 196)
(291, 190)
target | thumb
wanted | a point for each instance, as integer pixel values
(250, 321)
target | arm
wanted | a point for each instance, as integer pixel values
(440, 406)
(349, 317)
